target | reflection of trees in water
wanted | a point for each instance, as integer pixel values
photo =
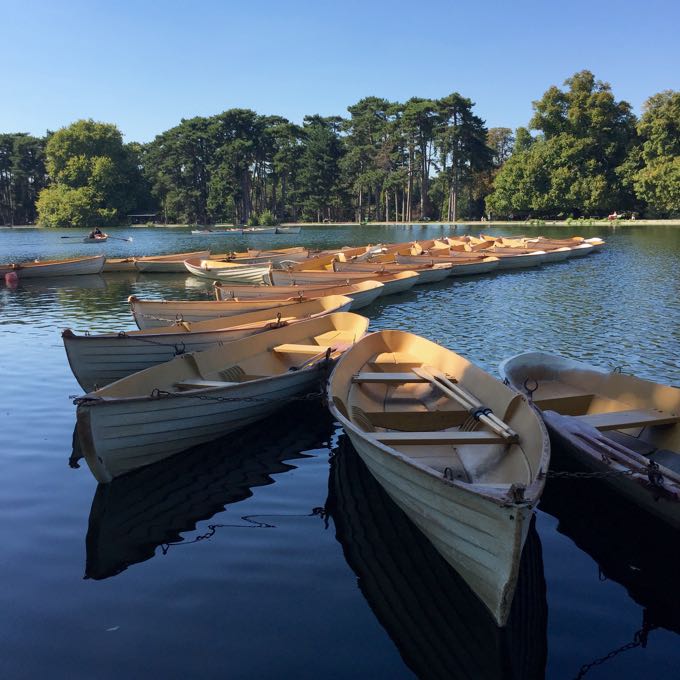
(437, 623)
(153, 506)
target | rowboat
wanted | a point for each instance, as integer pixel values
(253, 256)
(230, 271)
(96, 239)
(97, 360)
(427, 272)
(166, 264)
(212, 232)
(135, 514)
(517, 260)
(160, 313)
(459, 266)
(461, 454)
(392, 283)
(45, 268)
(288, 230)
(259, 230)
(362, 293)
(611, 423)
(198, 397)
(120, 264)
(437, 623)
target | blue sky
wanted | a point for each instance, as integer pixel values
(144, 65)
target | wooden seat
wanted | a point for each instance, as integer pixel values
(203, 384)
(366, 377)
(453, 438)
(291, 348)
(623, 420)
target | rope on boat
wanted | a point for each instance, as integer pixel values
(179, 347)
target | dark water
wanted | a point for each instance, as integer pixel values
(223, 563)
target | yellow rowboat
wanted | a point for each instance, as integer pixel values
(464, 456)
(392, 283)
(161, 313)
(97, 360)
(620, 425)
(362, 293)
(459, 266)
(167, 264)
(428, 272)
(201, 396)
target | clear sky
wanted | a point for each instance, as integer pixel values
(144, 65)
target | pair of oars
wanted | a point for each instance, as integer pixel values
(114, 238)
(467, 400)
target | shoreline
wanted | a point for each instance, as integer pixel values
(536, 224)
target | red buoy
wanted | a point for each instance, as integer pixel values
(11, 279)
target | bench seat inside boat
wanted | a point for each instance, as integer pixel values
(292, 348)
(454, 437)
(623, 420)
(561, 397)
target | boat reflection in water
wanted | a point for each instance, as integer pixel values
(437, 623)
(631, 547)
(153, 506)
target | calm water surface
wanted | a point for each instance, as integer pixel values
(268, 555)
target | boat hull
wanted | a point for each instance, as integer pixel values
(158, 313)
(167, 264)
(75, 267)
(362, 294)
(251, 274)
(118, 437)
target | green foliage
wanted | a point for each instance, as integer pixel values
(253, 220)
(657, 182)
(95, 179)
(22, 176)
(268, 219)
(571, 166)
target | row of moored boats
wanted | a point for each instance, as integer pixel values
(463, 454)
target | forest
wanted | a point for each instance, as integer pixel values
(582, 154)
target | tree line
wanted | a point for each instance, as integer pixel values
(582, 154)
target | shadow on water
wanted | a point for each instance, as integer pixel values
(436, 622)
(630, 546)
(153, 506)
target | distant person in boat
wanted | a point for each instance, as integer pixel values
(96, 233)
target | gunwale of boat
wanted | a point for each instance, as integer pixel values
(412, 463)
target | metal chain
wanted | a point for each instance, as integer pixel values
(639, 640)
(564, 474)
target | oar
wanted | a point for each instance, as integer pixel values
(467, 400)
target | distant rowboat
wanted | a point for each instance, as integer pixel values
(287, 230)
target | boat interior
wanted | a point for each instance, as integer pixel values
(420, 399)
(290, 348)
(639, 414)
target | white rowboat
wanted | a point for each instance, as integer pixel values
(202, 396)
(255, 274)
(461, 454)
(46, 268)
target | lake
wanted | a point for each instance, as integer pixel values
(273, 553)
